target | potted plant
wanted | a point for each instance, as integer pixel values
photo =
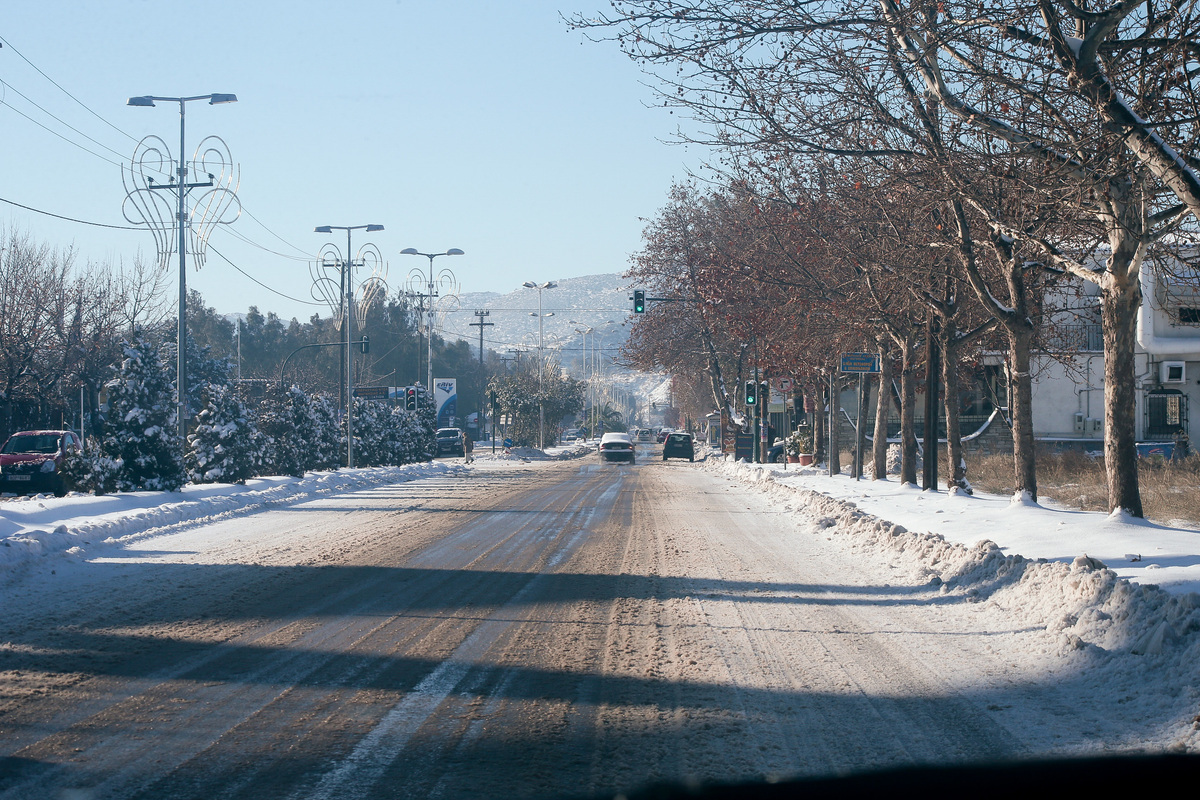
(799, 447)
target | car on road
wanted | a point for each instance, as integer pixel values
(616, 447)
(31, 461)
(450, 442)
(679, 445)
(645, 435)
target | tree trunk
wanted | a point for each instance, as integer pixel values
(930, 441)
(716, 382)
(819, 422)
(1118, 314)
(1021, 410)
(956, 467)
(908, 412)
(835, 425)
(883, 407)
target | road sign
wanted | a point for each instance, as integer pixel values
(371, 392)
(860, 362)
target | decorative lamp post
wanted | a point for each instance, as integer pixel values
(181, 224)
(347, 295)
(541, 358)
(446, 276)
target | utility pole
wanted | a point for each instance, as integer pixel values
(481, 325)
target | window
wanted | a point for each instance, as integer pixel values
(1189, 316)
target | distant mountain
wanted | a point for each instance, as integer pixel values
(599, 302)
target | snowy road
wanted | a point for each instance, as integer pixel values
(564, 628)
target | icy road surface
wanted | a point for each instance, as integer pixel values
(560, 628)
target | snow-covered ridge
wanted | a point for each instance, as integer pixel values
(81, 524)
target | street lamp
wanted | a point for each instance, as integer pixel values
(182, 186)
(412, 251)
(541, 361)
(583, 332)
(347, 291)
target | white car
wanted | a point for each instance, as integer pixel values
(616, 447)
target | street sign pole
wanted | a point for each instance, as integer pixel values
(862, 363)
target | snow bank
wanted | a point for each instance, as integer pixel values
(1087, 605)
(79, 523)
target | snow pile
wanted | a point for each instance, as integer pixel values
(575, 450)
(1133, 643)
(1083, 601)
(80, 523)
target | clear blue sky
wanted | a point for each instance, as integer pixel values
(480, 125)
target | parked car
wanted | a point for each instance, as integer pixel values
(450, 442)
(31, 461)
(679, 445)
(616, 447)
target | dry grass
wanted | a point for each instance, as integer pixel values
(1169, 488)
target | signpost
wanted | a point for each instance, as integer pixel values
(860, 362)
(863, 364)
(374, 392)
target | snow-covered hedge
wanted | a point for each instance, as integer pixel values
(288, 433)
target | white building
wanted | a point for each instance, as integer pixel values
(1068, 392)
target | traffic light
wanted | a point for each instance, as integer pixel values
(365, 345)
(639, 301)
(751, 393)
(410, 398)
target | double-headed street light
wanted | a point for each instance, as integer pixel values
(541, 358)
(431, 293)
(347, 292)
(182, 186)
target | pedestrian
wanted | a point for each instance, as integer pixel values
(468, 447)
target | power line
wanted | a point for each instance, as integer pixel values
(277, 236)
(72, 219)
(260, 283)
(138, 228)
(264, 248)
(59, 135)
(64, 91)
(57, 119)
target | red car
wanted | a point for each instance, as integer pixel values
(31, 461)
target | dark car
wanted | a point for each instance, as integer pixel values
(31, 461)
(679, 445)
(450, 442)
(616, 447)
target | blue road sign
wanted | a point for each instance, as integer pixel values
(860, 362)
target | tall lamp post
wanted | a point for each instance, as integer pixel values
(412, 251)
(541, 358)
(586, 366)
(347, 278)
(182, 186)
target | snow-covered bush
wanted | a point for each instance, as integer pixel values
(281, 421)
(327, 443)
(387, 435)
(140, 431)
(374, 435)
(90, 470)
(225, 446)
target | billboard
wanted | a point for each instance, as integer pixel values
(445, 399)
